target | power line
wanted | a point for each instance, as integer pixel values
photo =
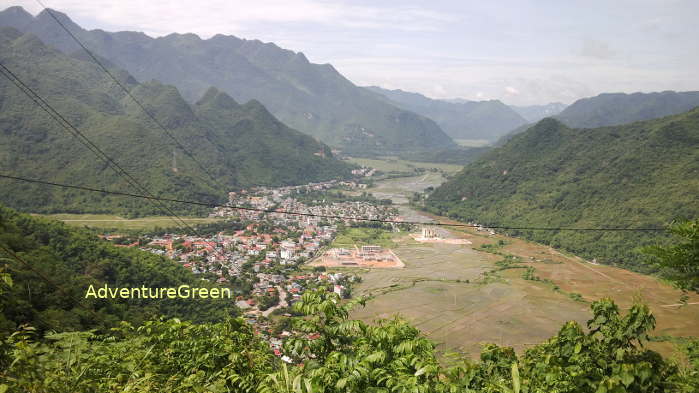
(295, 213)
(121, 85)
(68, 126)
(37, 99)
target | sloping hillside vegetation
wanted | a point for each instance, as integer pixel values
(239, 145)
(460, 120)
(313, 98)
(62, 262)
(640, 175)
(610, 109)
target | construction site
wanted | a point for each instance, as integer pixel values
(367, 257)
(434, 235)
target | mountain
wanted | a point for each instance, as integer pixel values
(534, 113)
(611, 109)
(460, 120)
(240, 145)
(313, 98)
(74, 259)
(643, 174)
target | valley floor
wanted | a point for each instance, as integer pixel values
(443, 292)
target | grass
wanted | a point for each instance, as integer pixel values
(363, 237)
(105, 221)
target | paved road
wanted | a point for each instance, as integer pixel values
(282, 302)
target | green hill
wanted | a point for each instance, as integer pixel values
(612, 109)
(313, 98)
(460, 120)
(240, 145)
(74, 259)
(643, 174)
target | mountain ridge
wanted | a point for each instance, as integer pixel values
(241, 145)
(460, 120)
(312, 98)
(643, 174)
(610, 109)
(534, 113)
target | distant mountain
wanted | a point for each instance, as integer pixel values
(313, 98)
(534, 113)
(643, 174)
(241, 145)
(611, 109)
(460, 120)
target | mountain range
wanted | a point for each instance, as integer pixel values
(638, 175)
(460, 120)
(611, 109)
(241, 145)
(313, 98)
(534, 113)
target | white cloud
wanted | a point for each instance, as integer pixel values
(511, 91)
(520, 52)
(596, 49)
(207, 18)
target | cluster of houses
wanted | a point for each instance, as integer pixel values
(224, 254)
(266, 251)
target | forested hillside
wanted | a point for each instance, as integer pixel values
(313, 98)
(73, 259)
(644, 174)
(239, 145)
(612, 109)
(460, 120)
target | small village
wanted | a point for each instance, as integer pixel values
(263, 249)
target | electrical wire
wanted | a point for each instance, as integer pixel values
(330, 216)
(128, 92)
(68, 126)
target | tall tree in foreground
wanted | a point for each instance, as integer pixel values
(680, 261)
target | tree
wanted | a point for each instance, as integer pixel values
(680, 261)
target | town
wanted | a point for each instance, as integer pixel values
(261, 250)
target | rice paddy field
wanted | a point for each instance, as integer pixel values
(458, 296)
(394, 164)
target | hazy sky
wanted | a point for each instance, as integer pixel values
(519, 51)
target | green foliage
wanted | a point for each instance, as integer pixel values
(635, 175)
(363, 235)
(618, 108)
(160, 356)
(76, 258)
(461, 120)
(608, 358)
(240, 145)
(680, 261)
(333, 354)
(529, 274)
(310, 97)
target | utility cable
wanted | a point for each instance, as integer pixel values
(128, 92)
(68, 126)
(331, 216)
